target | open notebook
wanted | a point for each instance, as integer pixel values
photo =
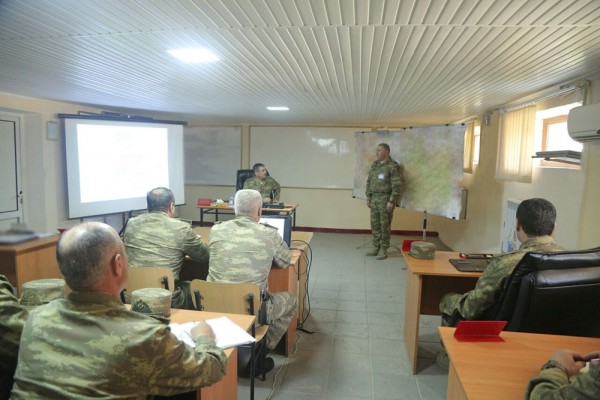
(467, 265)
(227, 333)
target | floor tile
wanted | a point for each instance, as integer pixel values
(356, 313)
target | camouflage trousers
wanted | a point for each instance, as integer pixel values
(448, 309)
(381, 221)
(182, 296)
(280, 310)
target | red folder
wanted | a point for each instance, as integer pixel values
(204, 202)
(479, 331)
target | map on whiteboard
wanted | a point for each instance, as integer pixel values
(433, 166)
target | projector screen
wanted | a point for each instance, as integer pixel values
(111, 165)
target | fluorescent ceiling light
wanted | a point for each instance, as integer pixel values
(278, 108)
(194, 55)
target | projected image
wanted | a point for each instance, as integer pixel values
(121, 162)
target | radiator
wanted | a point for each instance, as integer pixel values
(509, 234)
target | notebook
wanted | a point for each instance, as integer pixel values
(466, 265)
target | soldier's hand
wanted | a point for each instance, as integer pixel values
(569, 360)
(369, 204)
(202, 329)
(389, 206)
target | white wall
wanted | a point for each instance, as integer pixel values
(576, 194)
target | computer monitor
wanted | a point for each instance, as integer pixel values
(283, 223)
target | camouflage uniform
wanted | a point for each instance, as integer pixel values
(12, 319)
(156, 240)
(385, 183)
(89, 345)
(474, 304)
(242, 250)
(553, 384)
(265, 187)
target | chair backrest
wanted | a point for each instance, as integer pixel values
(150, 277)
(242, 175)
(225, 297)
(553, 293)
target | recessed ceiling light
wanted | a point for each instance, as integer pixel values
(278, 108)
(194, 55)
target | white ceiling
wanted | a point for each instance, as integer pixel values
(340, 62)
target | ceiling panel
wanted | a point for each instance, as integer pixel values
(359, 63)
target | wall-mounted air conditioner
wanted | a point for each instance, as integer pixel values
(583, 123)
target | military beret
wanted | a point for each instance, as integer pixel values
(422, 250)
(152, 301)
(41, 291)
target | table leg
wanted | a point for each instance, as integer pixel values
(412, 312)
(202, 217)
(455, 390)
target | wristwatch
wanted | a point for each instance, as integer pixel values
(554, 364)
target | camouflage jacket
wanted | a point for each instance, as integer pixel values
(156, 240)
(12, 319)
(265, 187)
(553, 384)
(242, 250)
(473, 304)
(386, 178)
(89, 345)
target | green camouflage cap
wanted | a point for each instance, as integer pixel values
(152, 301)
(422, 250)
(41, 291)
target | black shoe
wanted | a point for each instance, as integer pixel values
(265, 368)
(260, 368)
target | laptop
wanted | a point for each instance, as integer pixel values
(469, 265)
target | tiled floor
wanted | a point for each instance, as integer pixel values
(356, 349)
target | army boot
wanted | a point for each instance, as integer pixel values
(382, 255)
(373, 252)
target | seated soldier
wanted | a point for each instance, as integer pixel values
(536, 220)
(157, 239)
(88, 345)
(242, 250)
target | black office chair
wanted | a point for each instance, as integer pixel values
(553, 293)
(242, 175)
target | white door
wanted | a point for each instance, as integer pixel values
(10, 177)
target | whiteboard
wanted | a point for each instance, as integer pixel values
(212, 154)
(307, 157)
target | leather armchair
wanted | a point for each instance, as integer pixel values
(553, 293)
(242, 175)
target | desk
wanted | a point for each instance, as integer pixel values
(292, 279)
(29, 260)
(427, 282)
(226, 388)
(289, 209)
(502, 370)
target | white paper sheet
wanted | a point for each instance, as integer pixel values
(227, 333)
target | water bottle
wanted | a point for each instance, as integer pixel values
(231, 201)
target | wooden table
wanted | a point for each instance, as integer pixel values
(427, 282)
(227, 387)
(29, 260)
(292, 279)
(289, 209)
(502, 370)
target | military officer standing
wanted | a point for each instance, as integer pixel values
(385, 185)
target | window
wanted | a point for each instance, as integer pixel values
(555, 139)
(476, 143)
